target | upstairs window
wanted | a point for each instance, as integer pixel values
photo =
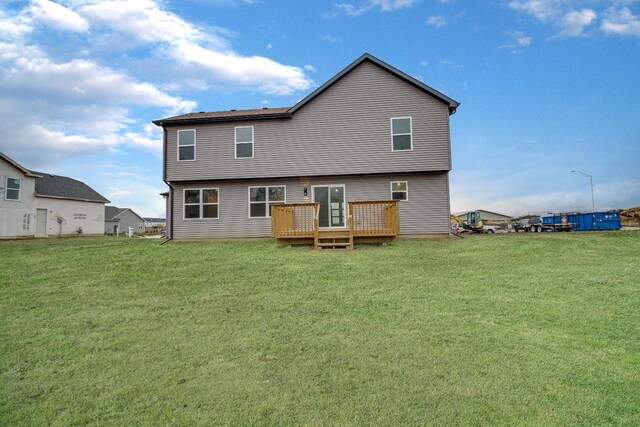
(262, 198)
(12, 189)
(187, 144)
(244, 142)
(399, 190)
(401, 139)
(201, 203)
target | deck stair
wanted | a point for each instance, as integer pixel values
(334, 241)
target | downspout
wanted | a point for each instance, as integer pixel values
(164, 178)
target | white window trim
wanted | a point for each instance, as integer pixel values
(406, 183)
(252, 142)
(266, 187)
(399, 134)
(178, 145)
(200, 204)
(6, 189)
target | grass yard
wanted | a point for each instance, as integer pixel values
(539, 329)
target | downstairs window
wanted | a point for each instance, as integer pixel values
(201, 203)
(262, 198)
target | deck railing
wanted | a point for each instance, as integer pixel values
(294, 220)
(365, 219)
(374, 218)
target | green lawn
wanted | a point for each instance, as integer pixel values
(539, 329)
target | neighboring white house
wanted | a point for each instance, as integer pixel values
(118, 220)
(37, 204)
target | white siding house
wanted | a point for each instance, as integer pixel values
(36, 204)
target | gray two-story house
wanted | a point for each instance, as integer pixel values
(370, 134)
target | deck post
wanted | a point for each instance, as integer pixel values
(316, 226)
(350, 209)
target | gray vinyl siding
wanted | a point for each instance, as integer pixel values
(426, 211)
(345, 130)
(127, 219)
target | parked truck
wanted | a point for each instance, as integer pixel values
(533, 225)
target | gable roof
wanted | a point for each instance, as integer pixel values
(287, 112)
(63, 187)
(111, 213)
(18, 166)
(367, 57)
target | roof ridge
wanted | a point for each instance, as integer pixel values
(287, 112)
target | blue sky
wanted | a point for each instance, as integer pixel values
(546, 86)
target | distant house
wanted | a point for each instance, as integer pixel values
(39, 204)
(486, 215)
(366, 154)
(118, 220)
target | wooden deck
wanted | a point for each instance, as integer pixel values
(367, 221)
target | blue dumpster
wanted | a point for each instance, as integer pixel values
(576, 221)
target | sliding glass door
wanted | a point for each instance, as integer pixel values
(332, 206)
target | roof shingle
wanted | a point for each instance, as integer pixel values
(62, 187)
(258, 113)
(110, 212)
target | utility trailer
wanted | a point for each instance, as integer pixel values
(576, 221)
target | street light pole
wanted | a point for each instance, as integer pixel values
(593, 203)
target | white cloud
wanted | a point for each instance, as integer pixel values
(331, 39)
(390, 5)
(45, 147)
(541, 9)
(451, 64)
(262, 73)
(309, 67)
(436, 21)
(14, 27)
(115, 192)
(575, 21)
(58, 16)
(148, 22)
(351, 10)
(145, 200)
(622, 22)
(136, 140)
(366, 6)
(570, 16)
(83, 81)
(524, 41)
